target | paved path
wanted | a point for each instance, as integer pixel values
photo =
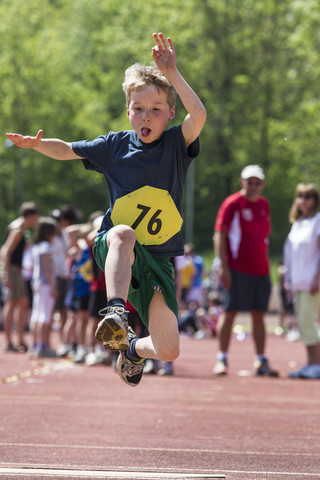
(59, 420)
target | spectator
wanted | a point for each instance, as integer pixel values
(43, 286)
(77, 298)
(65, 216)
(184, 272)
(97, 300)
(302, 273)
(209, 315)
(16, 300)
(241, 242)
(196, 290)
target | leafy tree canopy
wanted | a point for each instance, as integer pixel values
(255, 65)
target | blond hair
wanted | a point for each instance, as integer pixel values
(304, 189)
(139, 76)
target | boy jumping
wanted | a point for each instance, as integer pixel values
(145, 169)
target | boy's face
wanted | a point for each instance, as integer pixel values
(149, 113)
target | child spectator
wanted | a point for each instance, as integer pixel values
(43, 286)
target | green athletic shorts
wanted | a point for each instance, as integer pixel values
(149, 273)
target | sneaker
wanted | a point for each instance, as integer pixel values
(99, 356)
(22, 348)
(112, 330)
(130, 372)
(33, 352)
(312, 373)
(11, 348)
(299, 373)
(262, 369)
(151, 367)
(166, 369)
(45, 352)
(293, 335)
(63, 350)
(220, 368)
(80, 355)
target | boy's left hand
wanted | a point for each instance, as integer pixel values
(163, 54)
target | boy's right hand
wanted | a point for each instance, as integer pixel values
(25, 141)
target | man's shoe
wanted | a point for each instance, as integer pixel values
(130, 372)
(262, 369)
(113, 328)
(220, 368)
(299, 373)
(312, 373)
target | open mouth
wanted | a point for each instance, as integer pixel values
(145, 131)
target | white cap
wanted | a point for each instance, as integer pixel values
(252, 171)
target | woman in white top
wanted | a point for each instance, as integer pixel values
(302, 275)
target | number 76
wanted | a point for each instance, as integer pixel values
(154, 224)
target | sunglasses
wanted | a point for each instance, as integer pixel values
(304, 196)
(254, 183)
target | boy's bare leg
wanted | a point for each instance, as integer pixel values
(112, 330)
(163, 341)
(120, 241)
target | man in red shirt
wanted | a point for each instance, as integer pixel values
(241, 242)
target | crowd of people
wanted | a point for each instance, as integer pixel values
(51, 282)
(139, 246)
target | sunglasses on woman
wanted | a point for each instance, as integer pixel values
(304, 196)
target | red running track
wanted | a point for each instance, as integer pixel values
(65, 421)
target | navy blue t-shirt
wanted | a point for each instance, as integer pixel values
(129, 164)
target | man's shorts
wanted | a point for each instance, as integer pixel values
(307, 313)
(149, 273)
(247, 293)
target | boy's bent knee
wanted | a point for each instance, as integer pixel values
(121, 234)
(169, 353)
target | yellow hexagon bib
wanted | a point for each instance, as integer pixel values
(151, 212)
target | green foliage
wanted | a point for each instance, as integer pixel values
(254, 64)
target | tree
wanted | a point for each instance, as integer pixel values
(255, 67)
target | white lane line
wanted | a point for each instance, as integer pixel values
(288, 474)
(26, 472)
(34, 472)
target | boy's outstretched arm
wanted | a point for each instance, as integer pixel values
(51, 147)
(164, 56)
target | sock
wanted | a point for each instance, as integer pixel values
(261, 358)
(222, 356)
(131, 352)
(117, 302)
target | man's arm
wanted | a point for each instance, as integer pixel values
(220, 247)
(51, 147)
(165, 58)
